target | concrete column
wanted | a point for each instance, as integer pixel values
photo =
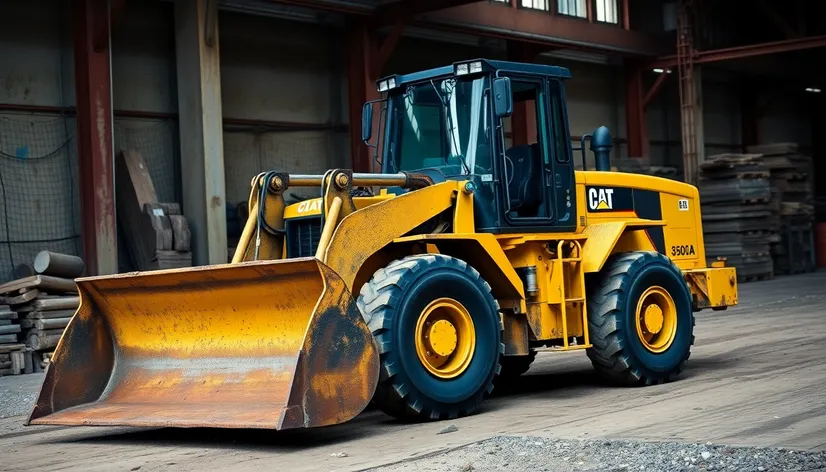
(94, 135)
(200, 127)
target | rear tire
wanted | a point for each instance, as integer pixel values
(394, 302)
(624, 350)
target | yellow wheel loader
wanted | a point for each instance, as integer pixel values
(418, 288)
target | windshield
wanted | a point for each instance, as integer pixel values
(443, 124)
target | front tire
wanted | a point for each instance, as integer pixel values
(439, 335)
(640, 319)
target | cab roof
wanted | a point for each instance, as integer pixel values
(523, 67)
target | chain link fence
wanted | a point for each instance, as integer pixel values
(39, 197)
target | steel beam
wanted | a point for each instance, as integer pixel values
(654, 90)
(521, 24)
(523, 119)
(362, 74)
(752, 50)
(94, 135)
(405, 9)
(635, 117)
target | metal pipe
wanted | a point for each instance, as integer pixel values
(359, 179)
(329, 225)
(246, 234)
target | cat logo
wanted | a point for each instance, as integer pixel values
(308, 206)
(601, 198)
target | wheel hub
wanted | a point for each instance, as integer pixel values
(442, 338)
(445, 338)
(653, 318)
(656, 319)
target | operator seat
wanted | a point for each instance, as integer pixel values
(525, 179)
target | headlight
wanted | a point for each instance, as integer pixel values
(383, 86)
(475, 67)
(461, 69)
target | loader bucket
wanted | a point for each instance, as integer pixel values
(275, 344)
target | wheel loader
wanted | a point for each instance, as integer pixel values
(419, 287)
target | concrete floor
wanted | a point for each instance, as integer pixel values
(756, 377)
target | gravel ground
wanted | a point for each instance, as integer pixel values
(543, 454)
(17, 394)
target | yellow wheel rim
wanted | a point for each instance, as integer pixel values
(445, 338)
(656, 319)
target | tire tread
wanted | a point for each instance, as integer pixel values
(378, 300)
(605, 300)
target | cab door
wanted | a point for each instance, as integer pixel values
(559, 168)
(537, 193)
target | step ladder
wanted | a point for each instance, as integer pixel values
(570, 269)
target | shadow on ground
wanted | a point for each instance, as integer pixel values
(548, 379)
(371, 422)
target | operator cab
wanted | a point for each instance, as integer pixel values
(501, 125)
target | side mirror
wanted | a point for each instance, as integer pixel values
(367, 122)
(502, 97)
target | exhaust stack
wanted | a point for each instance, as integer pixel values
(601, 144)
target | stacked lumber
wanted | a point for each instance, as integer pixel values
(157, 234)
(35, 310)
(793, 203)
(735, 196)
(641, 166)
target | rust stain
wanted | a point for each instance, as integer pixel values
(277, 344)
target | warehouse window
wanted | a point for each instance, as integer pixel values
(573, 8)
(535, 4)
(606, 11)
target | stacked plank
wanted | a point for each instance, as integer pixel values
(793, 203)
(35, 310)
(641, 166)
(735, 198)
(157, 234)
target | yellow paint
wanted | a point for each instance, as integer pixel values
(212, 313)
(484, 252)
(603, 238)
(243, 336)
(656, 319)
(313, 206)
(269, 246)
(683, 239)
(445, 338)
(463, 221)
(646, 182)
(714, 287)
(633, 239)
(365, 232)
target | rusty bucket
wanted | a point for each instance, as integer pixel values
(274, 344)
